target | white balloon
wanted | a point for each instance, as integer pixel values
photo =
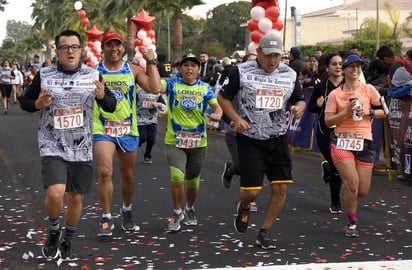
(94, 60)
(147, 41)
(142, 62)
(153, 47)
(97, 44)
(257, 13)
(78, 5)
(265, 25)
(251, 48)
(90, 54)
(138, 56)
(141, 34)
(274, 31)
(87, 49)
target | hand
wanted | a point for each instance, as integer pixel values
(241, 125)
(297, 111)
(44, 100)
(99, 91)
(148, 54)
(320, 101)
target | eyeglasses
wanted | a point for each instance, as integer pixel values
(66, 48)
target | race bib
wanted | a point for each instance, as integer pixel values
(114, 128)
(66, 118)
(269, 99)
(350, 141)
(147, 103)
(187, 139)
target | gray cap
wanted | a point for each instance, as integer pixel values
(271, 43)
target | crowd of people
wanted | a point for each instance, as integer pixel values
(116, 107)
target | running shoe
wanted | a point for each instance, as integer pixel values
(147, 160)
(66, 251)
(50, 250)
(226, 176)
(264, 241)
(351, 231)
(242, 219)
(326, 172)
(253, 207)
(335, 209)
(106, 227)
(175, 220)
(127, 220)
(190, 217)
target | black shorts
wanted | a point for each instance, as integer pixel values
(5, 90)
(258, 158)
(77, 176)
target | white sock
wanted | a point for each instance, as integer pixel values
(109, 216)
(124, 208)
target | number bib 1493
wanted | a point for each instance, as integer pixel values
(269, 99)
(66, 118)
(117, 128)
(350, 141)
(187, 139)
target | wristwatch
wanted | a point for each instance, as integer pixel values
(152, 62)
(371, 112)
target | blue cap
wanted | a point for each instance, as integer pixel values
(353, 58)
(295, 51)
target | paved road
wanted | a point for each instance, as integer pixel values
(305, 233)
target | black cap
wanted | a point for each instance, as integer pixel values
(190, 57)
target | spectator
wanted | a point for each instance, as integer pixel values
(204, 58)
(36, 62)
(163, 66)
(295, 62)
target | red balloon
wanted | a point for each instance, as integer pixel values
(90, 44)
(85, 21)
(278, 25)
(87, 59)
(272, 13)
(252, 25)
(150, 33)
(256, 36)
(138, 42)
(81, 14)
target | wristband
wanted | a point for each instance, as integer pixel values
(371, 112)
(152, 62)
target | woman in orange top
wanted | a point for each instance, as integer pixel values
(352, 148)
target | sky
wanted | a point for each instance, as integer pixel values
(20, 10)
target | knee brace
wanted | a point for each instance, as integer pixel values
(176, 175)
(193, 183)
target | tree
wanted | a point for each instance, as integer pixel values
(17, 30)
(2, 4)
(367, 30)
(224, 27)
(177, 7)
(394, 14)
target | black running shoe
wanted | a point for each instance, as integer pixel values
(226, 176)
(50, 250)
(66, 253)
(264, 241)
(326, 171)
(242, 219)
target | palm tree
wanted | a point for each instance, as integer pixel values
(2, 4)
(394, 14)
(177, 7)
(115, 10)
